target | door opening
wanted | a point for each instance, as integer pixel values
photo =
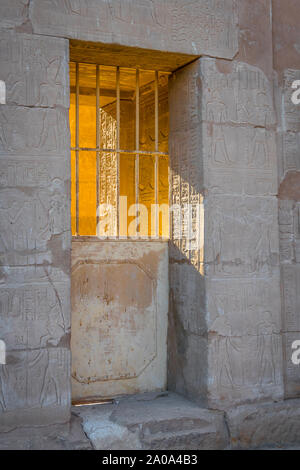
(120, 228)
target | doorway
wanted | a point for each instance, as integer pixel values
(120, 228)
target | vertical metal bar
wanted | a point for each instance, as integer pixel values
(137, 145)
(77, 146)
(118, 147)
(97, 143)
(156, 156)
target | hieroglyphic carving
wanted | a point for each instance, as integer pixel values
(34, 316)
(242, 236)
(247, 366)
(290, 370)
(289, 227)
(239, 307)
(240, 160)
(29, 221)
(35, 379)
(242, 94)
(33, 208)
(245, 339)
(291, 111)
(210, 24)
(13, 12)
(291, 297)
(289, 143)
(30, 131)
(286, 230)
(194, 27)
(34, 70)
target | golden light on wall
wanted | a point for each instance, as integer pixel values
(119, 151)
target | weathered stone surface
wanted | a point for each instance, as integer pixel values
(288, 153)
(35, 70)
(291, 118)
(35, 388)
(34, 131)
(105, 434)
(286, 42)
(54, 437)
(119, 298)
(13, 12)
(273, 425)
(35, 316)
(205, 27)
(289, 231)
(226, 333)
(241, 236)
(255, 34)
(290, 279)
(34, 194)
(245, 368)
(167, 422)
(34, 225)
(236, 93)
(239, 160)
(187, 353)
(244, 306)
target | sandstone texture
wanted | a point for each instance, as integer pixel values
(231, 289)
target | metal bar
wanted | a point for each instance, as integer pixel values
(118, 146)
(156, 157)
(137, 145)
(100, 149)
(77, 149)
(165, 72)
(97, 143)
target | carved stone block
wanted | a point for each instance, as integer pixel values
(202, 27)
(291, 370)
(13, 12)
(34, 131)
(35, 70)
(245, 368)
(241, 236)
(290, 275)
(236, 93)
(239, 160)
(238, 307)
(34, 224)
(291, 110)
(34, 316)
(35, 388)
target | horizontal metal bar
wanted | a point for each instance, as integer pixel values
(143, 152)
(111, 238)
(126, 68)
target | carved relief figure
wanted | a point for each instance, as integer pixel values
(258, 157)
(266, 350)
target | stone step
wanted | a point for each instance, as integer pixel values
(184, 423)
(193, 439)
(163, 422)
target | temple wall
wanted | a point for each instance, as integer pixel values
(234, 150)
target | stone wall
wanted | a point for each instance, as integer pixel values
(232, 127)
(286, 44)
(35, 229)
